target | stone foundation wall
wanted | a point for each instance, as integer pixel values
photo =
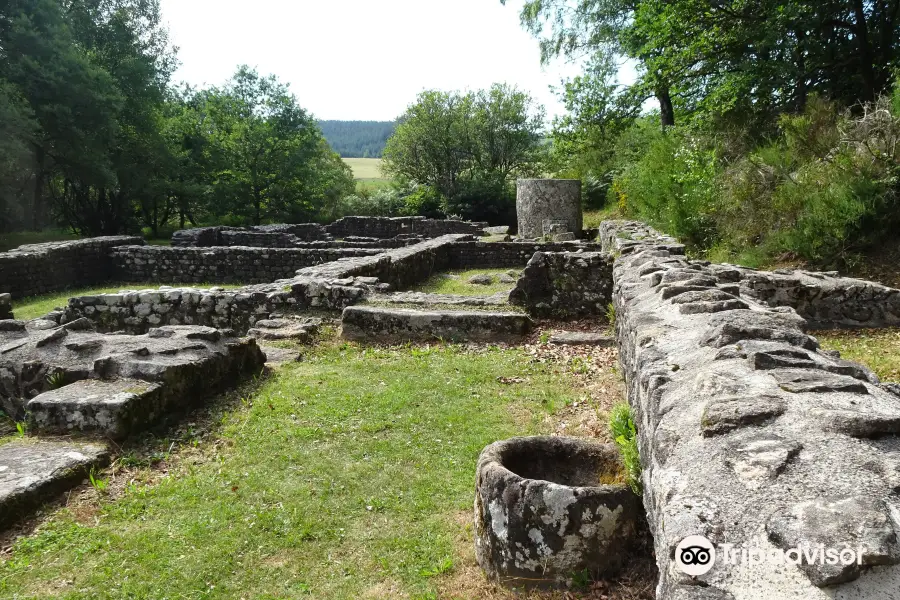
(262, 236)
(388, 227)
(330, 286)
(220, 264)
(749, 434)
(824, 299)
(513, 255)
(43, 268)
(565, 284)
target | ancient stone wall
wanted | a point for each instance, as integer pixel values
(565, 284)
(388, 227)
(265, 236)
(330, 285)
(824, 299)
(749, 434)
(43, 268)
(514, 255)
(220, 264)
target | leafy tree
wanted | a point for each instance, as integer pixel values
(468, 147)
(271, 159)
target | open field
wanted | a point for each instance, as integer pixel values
(348, 475)
(36, 306)
(365, 168)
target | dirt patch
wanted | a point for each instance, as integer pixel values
(467, 582)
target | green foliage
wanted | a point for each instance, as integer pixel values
(97, 482)
(94, 137)
(56, 380)
(624, 433)
(469, 148)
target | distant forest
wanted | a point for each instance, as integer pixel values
(357, 139)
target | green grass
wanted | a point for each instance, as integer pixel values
(436, 284)
(878, 349)
(344, 476)
(36, 306)
(365, 168)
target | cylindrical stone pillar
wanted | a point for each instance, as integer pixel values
(544, 513)
(544, 201)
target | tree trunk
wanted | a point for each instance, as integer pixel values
(37, 205)
(867, 69)
(666, 110)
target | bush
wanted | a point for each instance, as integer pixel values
(487, 199)
(624, 433)
(825, 188)
(673, 186)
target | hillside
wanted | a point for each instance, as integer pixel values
(357, 139)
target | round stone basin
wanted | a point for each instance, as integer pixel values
(543, 514)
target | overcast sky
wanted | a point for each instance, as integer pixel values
(361, 59)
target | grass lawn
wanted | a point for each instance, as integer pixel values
(878, 349)
(365, 168)
(457, 282)
(36, 306)
(349, 475)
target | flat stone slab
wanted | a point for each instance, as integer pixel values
(422, 298)
(582, 338)
(113, 408)
(394, 325)
(189, 363)
(30, 471)
(277, 356)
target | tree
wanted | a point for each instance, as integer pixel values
(742, 61)
(468, 147)
(269, 156)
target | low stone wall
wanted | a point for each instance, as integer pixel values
(565, 284)
(749, 435)
(330, 286)
(399, 268)
(826, 300)
(43, 268)
(137, 311)
(266, 236)
(258, 239)
(513, 255)
(221, 264)
(388, 227)
(397, 325)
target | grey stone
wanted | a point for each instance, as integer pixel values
(504, 278)
(851, 523)
(31, 471)
(804, 380)
(482, 279)
(759, 459)
(726, 414)
(542, 513)
(391, 325)
(542, 200)
(109, 408)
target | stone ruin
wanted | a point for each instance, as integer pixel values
(549, 207)
(749, 433)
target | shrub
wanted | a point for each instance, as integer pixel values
(624, 432)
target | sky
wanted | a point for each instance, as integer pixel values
(362, 59)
